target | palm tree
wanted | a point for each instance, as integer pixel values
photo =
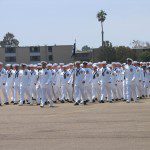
(101, 16)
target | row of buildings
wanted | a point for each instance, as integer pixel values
(52, 54)
(35, 54)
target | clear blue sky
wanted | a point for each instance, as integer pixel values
(41, 22)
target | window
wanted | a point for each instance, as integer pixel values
(10, 50)
(50, 49)
(35, 58)
(35, 49)
(10, 59)
(50, 58)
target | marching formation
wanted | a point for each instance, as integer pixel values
(80, 83)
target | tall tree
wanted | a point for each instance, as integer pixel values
(9, 41)
(101, 16)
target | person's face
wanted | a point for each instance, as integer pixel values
(49, 67)
(43, 66)
(78, 65)
(129, 63)
(71, 66)
(84, 65)
(113, 66)
(64, 68)
(61, 66)
(31, 68)
(104, 65)
(95, 68)
(23, 67)
(7, 68)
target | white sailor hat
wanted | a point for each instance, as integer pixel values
(71, 64)
(8, 65)
(49, 65)
(31, 65)
(23, 64)
(77, 62)
(135, 62)
(113, 63)
(39, 64)
(34, 65)
(109, 65)
(94, 66)
(55, 64)
(61, 64)
(65, 66)
(15, 65)
(1, 63)
(90, 63)
(104, 62)
(99, 63)
(129, 59)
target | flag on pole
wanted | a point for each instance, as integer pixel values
(74, 49)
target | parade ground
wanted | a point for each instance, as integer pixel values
(117, 126)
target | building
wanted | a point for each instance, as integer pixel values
(35, 54)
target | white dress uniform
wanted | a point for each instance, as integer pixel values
(139, 81)
(96, 85)
(33, 82)
(38, 89)
(69, 86)
(78, 80)
(124, 86)
(45, 81)
(50, 94)
(88, 84)
(105, 84)
(3, 78)
(24, 76)
(114, 84)
(9, 84)
(130, 82)
(65, 91)
(146, 82)
(56, 84)
(120, 78)
(16, 85)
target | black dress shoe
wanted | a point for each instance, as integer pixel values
(102, 101)
(55, 102)
(110, 101)
(84, 103)
(62, 101)
(15, 103)
(87, 101)
(0, 104)
(75, 104)
(6, 103)
(94, 100)
(24, 102)
(12, 102)
(67, 100)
